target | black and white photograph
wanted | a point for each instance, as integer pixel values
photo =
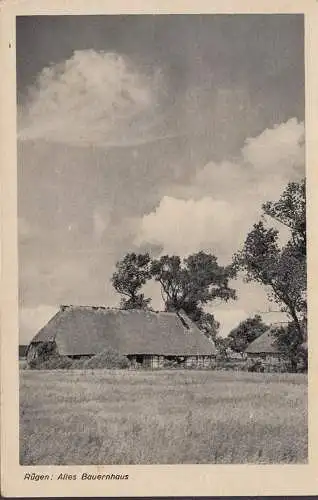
(162, 274)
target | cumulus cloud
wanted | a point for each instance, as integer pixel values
(93, 97)
(185, 226)
(280, 149)
(218, 206)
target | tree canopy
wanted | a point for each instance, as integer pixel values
(282, 269)
(290, 210)
(247, 331)
(193, 282)
(290, 344)
(186, 284)
(132, 272)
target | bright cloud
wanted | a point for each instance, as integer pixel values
(280, 149)
(215, 210)
(185, 226)
(93, 97)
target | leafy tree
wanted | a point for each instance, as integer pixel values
(290, 210)
(222, 345)
(132, 272)
(207, 323)
(186, 284)
(192, 283)
(281, 270)
(247, 331)
(290, 344)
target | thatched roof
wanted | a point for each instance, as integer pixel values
(79, 330)
(264, 344)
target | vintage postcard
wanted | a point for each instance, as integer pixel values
(158, 248)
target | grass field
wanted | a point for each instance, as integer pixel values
(165, 417)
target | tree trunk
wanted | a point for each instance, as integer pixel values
(297, 324)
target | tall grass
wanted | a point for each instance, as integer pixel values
(118, 417)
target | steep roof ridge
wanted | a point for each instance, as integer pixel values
(64, 307)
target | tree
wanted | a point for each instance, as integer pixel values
(290, 210)
(192, 283)
(222, 345)
(186, 284)
(132, 272)
(290, 344)
(247, 331)
(207, 323)
(281, 270)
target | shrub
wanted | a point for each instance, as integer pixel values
(107, 359)
(54, 362)
(45, 357)
(39, 353)
(78, 364)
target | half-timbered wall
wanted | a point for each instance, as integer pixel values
(155, 361)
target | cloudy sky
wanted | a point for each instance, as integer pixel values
(159, 133)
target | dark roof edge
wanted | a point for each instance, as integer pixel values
(64, 307)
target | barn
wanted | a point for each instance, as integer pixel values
(149, 339)
(264, 349)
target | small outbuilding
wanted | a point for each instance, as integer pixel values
(264, 349)
(149, 339)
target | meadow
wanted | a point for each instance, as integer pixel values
(109, 417)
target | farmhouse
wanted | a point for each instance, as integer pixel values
(264, 349)
(149, 339)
